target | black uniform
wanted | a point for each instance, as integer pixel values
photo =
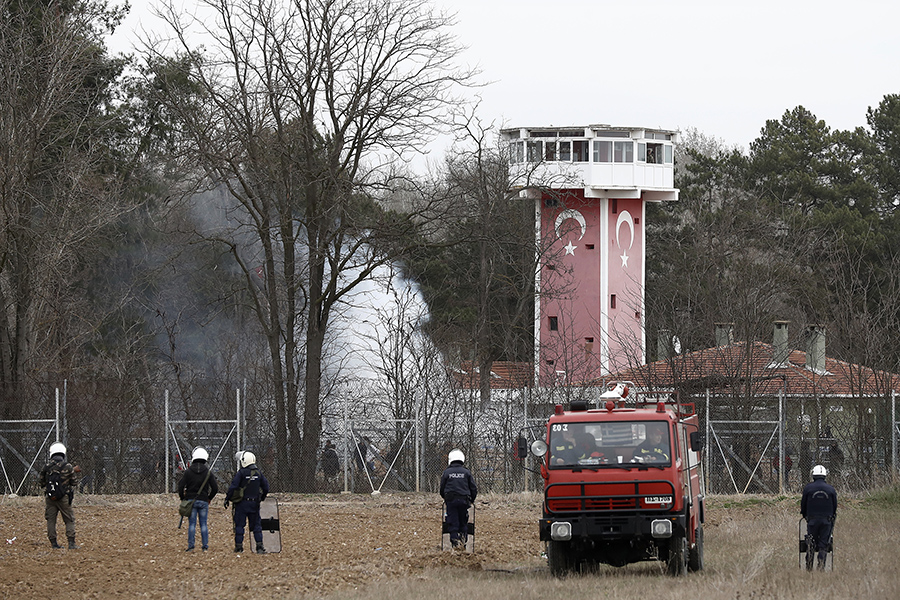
(331, 464)
(256, 488)
(458, 490)
(819, 507)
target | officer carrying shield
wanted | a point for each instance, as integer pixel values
(247, 490)
(819, 507)
(458, 490)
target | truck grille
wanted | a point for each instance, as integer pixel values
(590, 503)
(589, 497)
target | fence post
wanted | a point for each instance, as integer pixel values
(782, 459)
(166, 443)
(65, 413)
(418, 446)
(708, 443)
(57, 414)
(894, 434)
(346, 452)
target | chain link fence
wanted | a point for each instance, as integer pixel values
(854, 438)
(126, 441)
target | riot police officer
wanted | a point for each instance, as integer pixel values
(59, 478)
(819, 507)
(252, 488)
(458, 490)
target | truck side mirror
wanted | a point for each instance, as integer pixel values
(696, 443)
(521, 448)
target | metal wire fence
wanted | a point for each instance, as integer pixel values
(126, 441)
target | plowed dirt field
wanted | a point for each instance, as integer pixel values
(130, 546)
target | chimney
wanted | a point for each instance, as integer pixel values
(780, 349)
(815, 348)
(724, 334)
(663, 344)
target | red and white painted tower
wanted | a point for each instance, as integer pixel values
(590, 186)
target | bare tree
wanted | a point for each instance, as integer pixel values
(496, 252)
(59, 182)
(299, 110)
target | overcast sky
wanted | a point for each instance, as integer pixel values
(720, 66)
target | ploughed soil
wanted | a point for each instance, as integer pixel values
(131, 546)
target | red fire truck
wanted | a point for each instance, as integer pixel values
(622, 484)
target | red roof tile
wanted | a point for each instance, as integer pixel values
(750, 367)
(504, 375)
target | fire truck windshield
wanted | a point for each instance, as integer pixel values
(588, 444)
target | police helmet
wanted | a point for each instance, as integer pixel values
(456, 455)
(57, 448)
(247, 459)
(199, 453)
(819, 471)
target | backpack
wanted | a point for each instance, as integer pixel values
(238, 494)
(56, 489)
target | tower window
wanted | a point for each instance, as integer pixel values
(612, 301)
(554, 324)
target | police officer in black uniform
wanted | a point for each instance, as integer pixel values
(819, 507)
(255, 488)
(458, 490)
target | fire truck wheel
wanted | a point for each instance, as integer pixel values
(695, 557)
(558, 558)
(678, 555)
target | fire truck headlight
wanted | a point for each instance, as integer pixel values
(661, 528)
(561, 531)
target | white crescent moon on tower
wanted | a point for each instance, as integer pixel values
(625, 217)
(571, 213)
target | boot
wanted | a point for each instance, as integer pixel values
(260, 549)
(53, 543)
(820, 564)
(72, 545)
(238, 548)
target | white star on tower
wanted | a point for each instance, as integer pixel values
(624, 258)
(570, 249)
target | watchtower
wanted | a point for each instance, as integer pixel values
(590, 186)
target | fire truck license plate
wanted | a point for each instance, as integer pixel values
(658, 500)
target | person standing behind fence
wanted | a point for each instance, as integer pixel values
(458, 490)
(58, 479)
(330, 465)
(194, 483)
(372, 452)
(819, 507)
(248, 488)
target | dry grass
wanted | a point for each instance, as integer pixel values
(751, 552)
(359, 546)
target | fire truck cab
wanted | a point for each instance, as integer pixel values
(622, 484)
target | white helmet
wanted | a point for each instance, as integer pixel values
(819, 471)
(57, 448)
(456, 455)
(199, 453)
(247, 459)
